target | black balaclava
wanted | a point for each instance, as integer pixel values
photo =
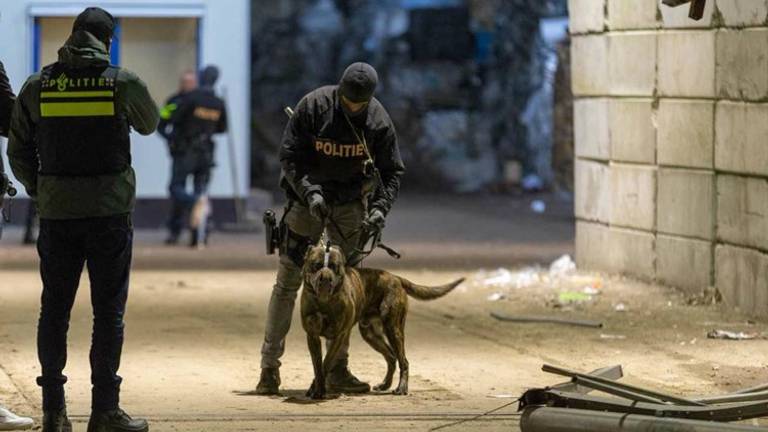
(358, 85)
(208, 76)
(97, 22)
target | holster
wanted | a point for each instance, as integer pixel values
(292, 244)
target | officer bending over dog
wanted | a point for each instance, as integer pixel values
(69, 146)
(334, 143)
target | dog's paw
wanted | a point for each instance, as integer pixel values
(383, 386)
(316, 392)
(401, 391)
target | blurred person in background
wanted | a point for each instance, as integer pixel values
(200, 115)
(187, 83)
(70, 146)
(8, 420)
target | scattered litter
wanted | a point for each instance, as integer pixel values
(496, 296)
(612, 336)
(730, 335)
(620, 307)
(499, 277)
(562, 266)
(503, 278)
(546, 319)
(709, 296)
(538, 206)
(590, 290)
(567, 298)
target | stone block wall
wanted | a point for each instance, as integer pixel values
(671, 136)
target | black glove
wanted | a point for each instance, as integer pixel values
(317, 207)
(375, 219)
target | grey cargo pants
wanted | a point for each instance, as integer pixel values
(349, 218)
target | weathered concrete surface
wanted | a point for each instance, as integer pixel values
(586, 15)
(686, 133)
(684, 263)
(740, 143)
(742, 62)
(742, 278)
(743, 12)
(633, 193)
(687, 63)
(632, 253)
(635, 15)
(686, 203)
(632, 132)
(632, 63)
(589, 65)
(742, 211)
(591, 243)
(593, 191)
(590, 128)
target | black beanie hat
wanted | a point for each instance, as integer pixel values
(97, 22)
(359, 82)
(209, 75)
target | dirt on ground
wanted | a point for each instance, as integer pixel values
(191, 356)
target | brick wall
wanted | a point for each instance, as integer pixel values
(671, 136)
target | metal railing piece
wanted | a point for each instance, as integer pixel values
(639, 390)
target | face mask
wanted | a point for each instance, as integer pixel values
(359, 113)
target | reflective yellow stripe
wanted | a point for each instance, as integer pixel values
(81, 94)
(77, 109)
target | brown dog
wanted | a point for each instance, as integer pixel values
(336, 297)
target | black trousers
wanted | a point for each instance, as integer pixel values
(105, 245)
(196, 164)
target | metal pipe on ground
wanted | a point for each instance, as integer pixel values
(626, 394)
(546, 419)
(611, 372)
(635, 389)
(737, 397)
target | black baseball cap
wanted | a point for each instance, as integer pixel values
(97, 22)
(359, 82)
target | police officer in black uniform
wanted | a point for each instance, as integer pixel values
(334, 142)
(200, 115)
(69, 145)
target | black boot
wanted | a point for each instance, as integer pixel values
(56, 421)
(173, 239)
(115, 421)
(193, 240)
(269, 383)
(341, 380)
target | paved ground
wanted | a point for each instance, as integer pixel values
(195, 322)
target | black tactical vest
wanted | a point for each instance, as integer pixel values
(81, 131)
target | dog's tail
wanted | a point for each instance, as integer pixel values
(422, 292)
